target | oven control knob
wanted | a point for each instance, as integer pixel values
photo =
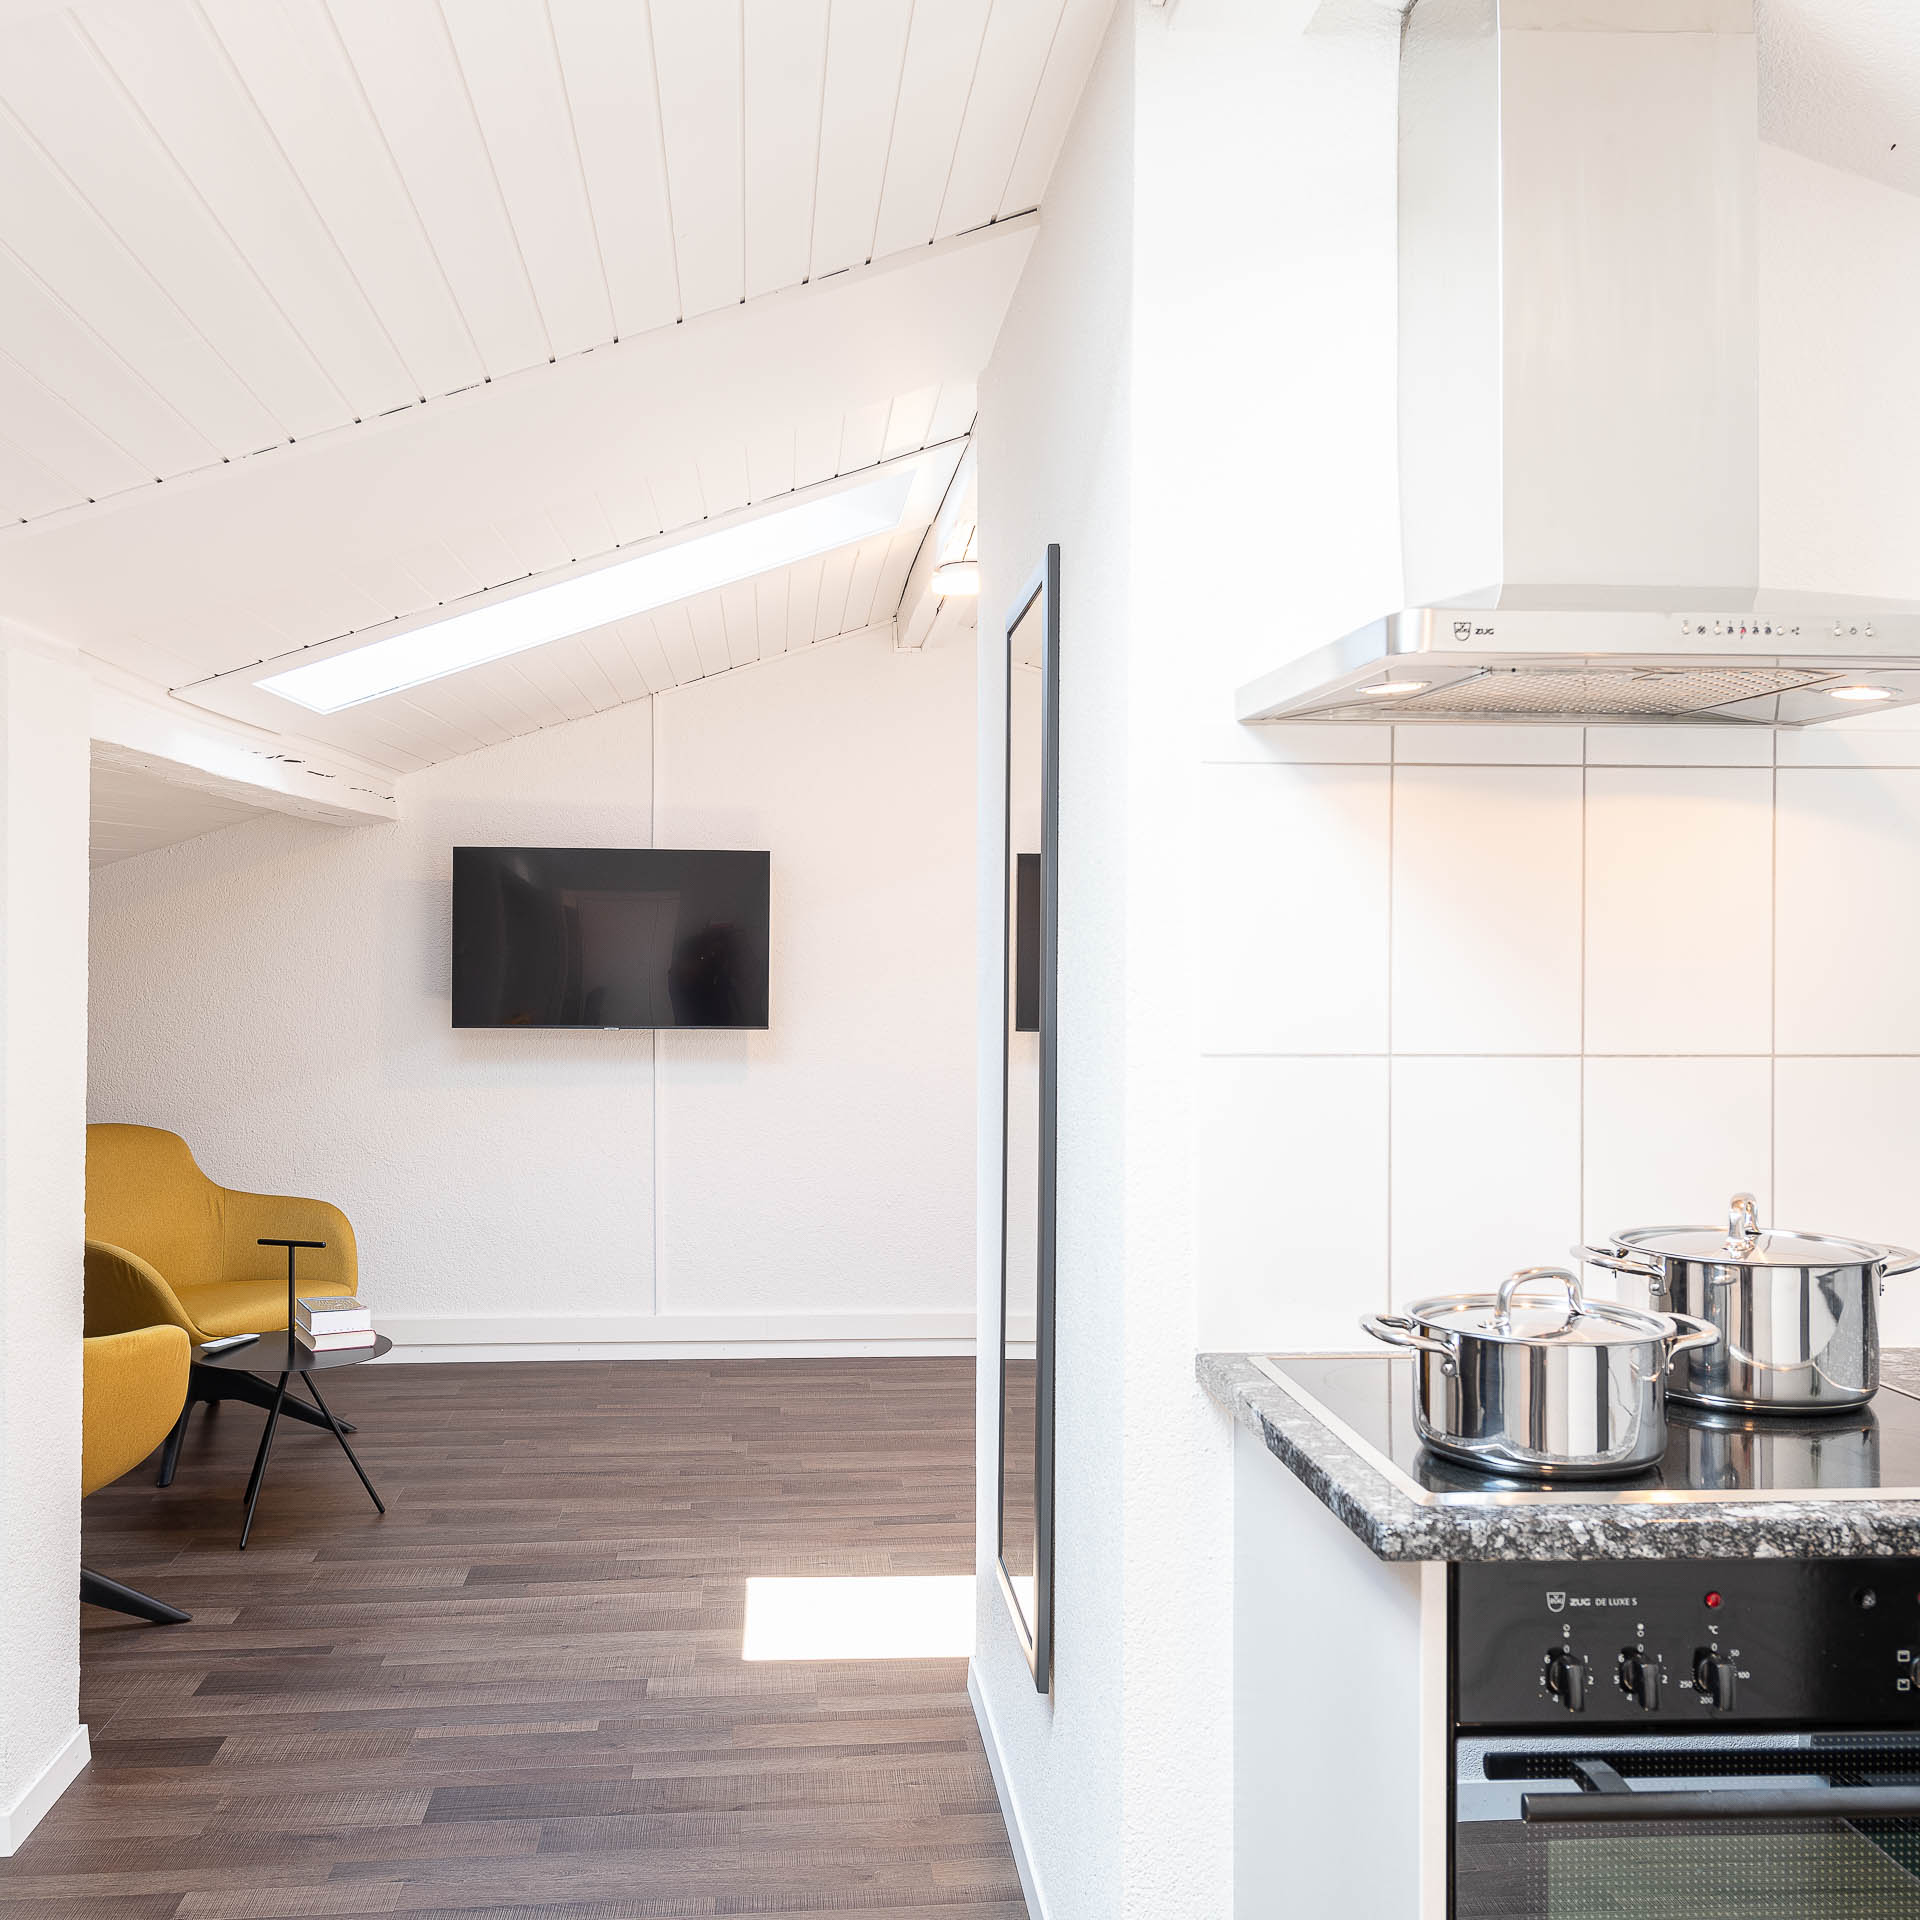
(1567, 1679)
(1640, 1679)
(1714, 1675)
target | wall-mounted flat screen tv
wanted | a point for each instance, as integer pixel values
(609, 937)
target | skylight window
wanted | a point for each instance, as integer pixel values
(586, 600)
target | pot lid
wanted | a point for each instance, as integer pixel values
(1566, 1319)
(1744, 1242)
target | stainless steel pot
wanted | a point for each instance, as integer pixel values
(1567, 1390)
(1797, 1313)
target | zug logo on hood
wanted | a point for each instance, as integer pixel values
(1556, 1602)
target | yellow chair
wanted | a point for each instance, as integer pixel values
(134, 1385)
(167, 1246)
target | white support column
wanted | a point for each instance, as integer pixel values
(43, 1075)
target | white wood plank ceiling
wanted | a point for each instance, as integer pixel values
(394, 518)
(228, 225)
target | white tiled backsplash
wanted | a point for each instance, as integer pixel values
(1484, 991)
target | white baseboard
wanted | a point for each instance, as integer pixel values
(1003, 1792)
(680, 1350)
(688, 1336)
(31, 1803)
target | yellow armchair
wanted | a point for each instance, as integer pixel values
(134, 1386)
(166, 1246)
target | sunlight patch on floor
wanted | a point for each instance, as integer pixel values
(863, 1617)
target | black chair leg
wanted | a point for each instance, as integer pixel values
(98, 1591)
(170, 1452)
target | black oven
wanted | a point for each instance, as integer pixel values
(1686, 1740)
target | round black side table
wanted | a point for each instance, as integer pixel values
(282, 1354)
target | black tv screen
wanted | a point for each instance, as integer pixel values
(609, 937)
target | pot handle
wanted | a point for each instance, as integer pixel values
(1900, 1260)
(1704, 1334)
(1397, 1330)
(1743, 1224)
(1503, 1301)
(1618, 1259)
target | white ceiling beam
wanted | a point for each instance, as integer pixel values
(947, 539)
(138, 727)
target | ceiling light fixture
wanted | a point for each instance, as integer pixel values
(1387, 689)
(657, 578)
(961, 577)
(1860, 693)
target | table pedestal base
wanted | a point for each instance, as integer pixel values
(207, 1386)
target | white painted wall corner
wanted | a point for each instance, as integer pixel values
(1037, 1908)
(31, 1803)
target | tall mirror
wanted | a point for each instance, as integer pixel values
(1030, 895)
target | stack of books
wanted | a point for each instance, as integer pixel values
(327, 1325)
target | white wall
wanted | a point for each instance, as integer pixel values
(1265, 508)
(1053, 438)
(825, 1163)
(277, 992)
(1214, 276)
(43, 960)
(1839, 395)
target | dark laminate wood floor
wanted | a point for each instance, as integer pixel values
(521, 1693)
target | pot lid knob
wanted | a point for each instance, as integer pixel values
(1503, 1301)
(1743, 1223)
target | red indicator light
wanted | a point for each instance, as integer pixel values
(1713, 1599)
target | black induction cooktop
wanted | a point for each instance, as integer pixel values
(1871, 1452)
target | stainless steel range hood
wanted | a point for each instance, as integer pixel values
(1579, 414)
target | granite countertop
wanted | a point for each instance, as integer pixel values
(1397, 1527)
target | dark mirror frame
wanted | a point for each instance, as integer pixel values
(1036, 1636)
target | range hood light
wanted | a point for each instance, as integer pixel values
(1860, 693)
(1388, 688)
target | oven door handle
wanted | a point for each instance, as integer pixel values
(1737, 1803)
